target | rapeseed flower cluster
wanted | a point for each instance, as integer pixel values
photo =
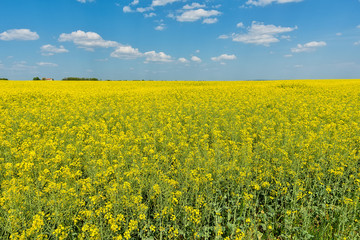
(180, 160)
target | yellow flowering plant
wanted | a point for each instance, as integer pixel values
(180, 160)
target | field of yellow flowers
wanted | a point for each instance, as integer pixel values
(180, 160)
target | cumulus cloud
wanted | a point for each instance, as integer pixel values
(308, 47)
(285, 37)
(183, 60)
(47, 64)
(260, 34)
(267, 2)
(146, 9)
(153, 56)
(210, 20)
(193, 5)
(156, 3)
(49, 50)
(126, 52)
(223, 36)
(195, 59)
(90, 40)
(224, 57)
(149, 15)
(19, 34)
(87, 40)
(160, 27)
(127, 9)
(195, 15)
(240, 25)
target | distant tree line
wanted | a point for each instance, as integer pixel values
(4, 79)
(43, 79)
(79, 79)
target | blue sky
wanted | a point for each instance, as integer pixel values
(180, 39)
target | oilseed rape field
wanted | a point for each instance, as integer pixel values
(180, 160)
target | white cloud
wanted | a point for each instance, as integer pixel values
(162, 2)
(223, 36)
(339, 34)
(267, 2)
(287, 37)
(183, 60)
(315, 44)
(288, 55)
(160, 27)
(357, 43)
(127, 9)
(153, 56)
(224, 57)
(193, 5)
(49, 50)
(146, 9)
(87, 40)
(210, 20)
(240, 25)
(126, 52)
(308, 47)
(90, 40)
(194, 15)
(135, 2)
(195, 59)
(261, 34)
(358, 26)
(298, 66)
(47, 64)
(85, 1)
(19, 34)
(149, 15)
